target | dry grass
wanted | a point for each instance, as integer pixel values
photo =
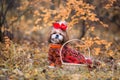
(29, 62)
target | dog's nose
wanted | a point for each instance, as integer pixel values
(57, 36)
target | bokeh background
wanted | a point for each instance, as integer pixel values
(25, 27)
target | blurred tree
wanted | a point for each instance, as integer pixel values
(42, 13)
(9, 14)
(5, 6)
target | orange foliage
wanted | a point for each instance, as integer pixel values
(110, 4)
(83, 11)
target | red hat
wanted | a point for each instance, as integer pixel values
(60, 25)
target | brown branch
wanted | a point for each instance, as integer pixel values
(83, 31)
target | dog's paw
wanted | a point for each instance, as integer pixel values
(51, 66)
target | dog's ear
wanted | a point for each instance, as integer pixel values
(49, 39)
(66, 38)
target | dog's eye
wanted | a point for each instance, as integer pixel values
(54, 33)
(60, 33)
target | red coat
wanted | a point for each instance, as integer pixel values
(68, 55)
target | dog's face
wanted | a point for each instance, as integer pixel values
(58, 36)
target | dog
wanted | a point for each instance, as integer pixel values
(57, 38)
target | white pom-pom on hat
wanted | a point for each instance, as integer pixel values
(62, 22)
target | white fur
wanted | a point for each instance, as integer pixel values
(56, 40)
(62, 22)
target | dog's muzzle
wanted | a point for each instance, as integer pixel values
(56, 38)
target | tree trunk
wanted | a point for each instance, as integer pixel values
(1, 35)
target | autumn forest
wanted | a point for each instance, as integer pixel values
(25, 26)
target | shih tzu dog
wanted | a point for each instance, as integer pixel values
(57, 37)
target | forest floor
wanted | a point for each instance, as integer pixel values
(28, 61)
